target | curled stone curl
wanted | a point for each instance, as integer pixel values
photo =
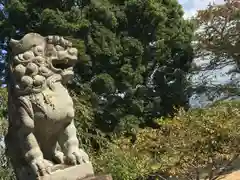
(42, 61)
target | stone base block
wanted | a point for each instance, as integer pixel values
(105, 177)
(77, 172)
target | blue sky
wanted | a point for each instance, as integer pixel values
(191, 6)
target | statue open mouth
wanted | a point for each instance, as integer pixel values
(65, 60)
(65, 68)
(63, 64)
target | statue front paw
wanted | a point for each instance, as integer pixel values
(78, 156)
(41, 166)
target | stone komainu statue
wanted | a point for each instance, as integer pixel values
(41, 130)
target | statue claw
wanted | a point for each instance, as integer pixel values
(41, 166)
(77, 157)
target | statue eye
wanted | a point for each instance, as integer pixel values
(38, 50)
(59, 48)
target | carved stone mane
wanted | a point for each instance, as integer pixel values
(41, 130)
(35, 61)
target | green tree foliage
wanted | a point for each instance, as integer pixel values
(3, 110)
(6, 173)
(134, 54)
(122, 164)
(199, 144)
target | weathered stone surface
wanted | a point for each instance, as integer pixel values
(105, 177)
(70, 173)
(41, 129)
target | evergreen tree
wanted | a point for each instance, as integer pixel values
(134, 54)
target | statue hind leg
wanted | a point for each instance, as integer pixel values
(27, 146)
(13, 151)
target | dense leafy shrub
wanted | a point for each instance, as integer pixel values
(123, 165)
(199, 143)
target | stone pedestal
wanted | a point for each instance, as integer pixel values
(105, 177)
(78, 172)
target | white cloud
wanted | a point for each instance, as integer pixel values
(191, 6)
(189, 13)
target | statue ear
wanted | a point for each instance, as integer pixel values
(15, 46)
(13, 43)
